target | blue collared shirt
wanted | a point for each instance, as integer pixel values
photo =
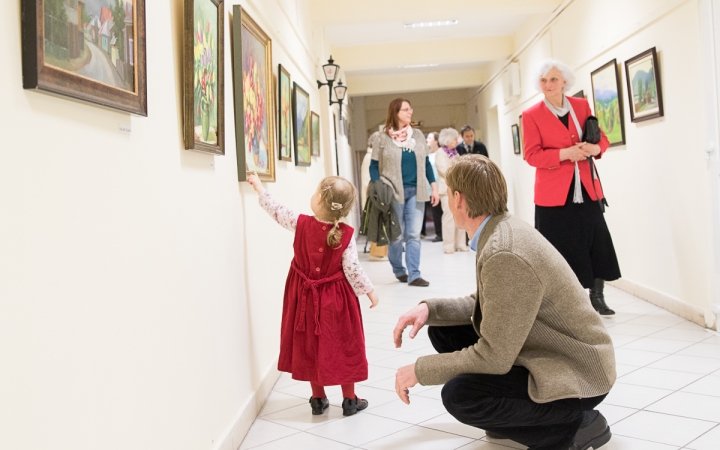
(474, 240)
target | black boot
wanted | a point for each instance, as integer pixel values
(597, 299)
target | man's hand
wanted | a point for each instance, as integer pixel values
(404, 380)
(415, 317)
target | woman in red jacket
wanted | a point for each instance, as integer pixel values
(567, 212)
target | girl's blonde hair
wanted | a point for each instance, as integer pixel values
(338, 197)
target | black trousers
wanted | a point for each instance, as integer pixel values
(501, 404)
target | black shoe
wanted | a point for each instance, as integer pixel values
(597, 298)
(319, 405)
(419, 282)
(402, 278)
(592, 436)
(352, 406)
(493, 435)
(437, 239)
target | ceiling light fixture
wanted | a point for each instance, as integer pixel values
(439, 23)
(415, 66)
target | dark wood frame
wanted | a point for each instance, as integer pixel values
(631, 98)
(313, 118)
(515, 130)
(302, 91)
(282, 71)
(38, 76)
(616, 71)
(522, 137)
(189, 81)
(242, 19)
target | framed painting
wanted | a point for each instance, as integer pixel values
(254, 99)
(284, 114)
(644, 88)
(608, 102)
(521, 137)
(301, 125)
(90, 50)
(516, 138)
(314, 134)
(204, 76)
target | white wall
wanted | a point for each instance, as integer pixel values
(140, 285)
(656, 184)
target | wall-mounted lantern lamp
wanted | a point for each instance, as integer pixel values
(330, 70)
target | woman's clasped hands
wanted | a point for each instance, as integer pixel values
(579, 152)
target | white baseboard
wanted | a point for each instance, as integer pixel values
(672, 304)
(237, 431)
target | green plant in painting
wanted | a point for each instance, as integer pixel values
(205, 76)
(118, 28)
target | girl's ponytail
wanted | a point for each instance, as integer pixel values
(334, 235)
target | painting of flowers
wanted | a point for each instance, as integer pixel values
(284, 114)
(254, 101)
(644, 88)
(315, 135)
(204, 81)
(301, 125)
(92, 50)
(608, 102)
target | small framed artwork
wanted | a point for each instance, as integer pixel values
(315, 135)
(608, 102)
(579, 94)
(644, 88)
(90, 50)
(204, 76)
(521, 137)
(301, 125)
(254, 87)
(516, 138)
(284, 114)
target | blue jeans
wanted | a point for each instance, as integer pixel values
(410, 214)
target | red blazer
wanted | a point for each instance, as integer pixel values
(544, 136)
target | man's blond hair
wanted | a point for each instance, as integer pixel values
(481, 182)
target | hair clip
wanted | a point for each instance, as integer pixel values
(327, 187)
(336, 206)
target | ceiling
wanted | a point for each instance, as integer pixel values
(379, 55)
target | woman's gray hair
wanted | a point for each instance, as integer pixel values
(447, 135)
(546, 65)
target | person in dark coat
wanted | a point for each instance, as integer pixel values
(469, 145)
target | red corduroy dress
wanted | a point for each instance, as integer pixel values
(322, 338)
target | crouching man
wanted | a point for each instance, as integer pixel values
(525, 357)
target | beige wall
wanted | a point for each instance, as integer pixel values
(656, 184)
(140, 285)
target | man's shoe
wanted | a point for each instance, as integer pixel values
(352, 406)
(437, 239)
(592, 436)
(419, 282)
(493, 435)
(319, 405)
(402, 278)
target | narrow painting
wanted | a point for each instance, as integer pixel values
(315, 140)
(204, 76)
(644, 88)
(284, 114)
(254, 98)
(608, 102)
(301, 125)
(91, 50)
(516, 138)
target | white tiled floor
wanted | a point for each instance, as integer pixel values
(667, 395)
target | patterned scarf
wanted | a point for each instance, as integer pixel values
(451, 152)
(403, 138)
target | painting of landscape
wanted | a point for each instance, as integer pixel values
(301, 125)
(93, 39)
(608, 103)
(643, 79)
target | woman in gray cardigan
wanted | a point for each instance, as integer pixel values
(399, 159)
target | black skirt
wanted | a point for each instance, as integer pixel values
(579, 232)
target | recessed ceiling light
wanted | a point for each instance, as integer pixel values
(415, 66)
(439, 23)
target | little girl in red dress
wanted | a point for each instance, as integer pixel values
(322, 338)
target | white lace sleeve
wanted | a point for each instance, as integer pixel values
(281, 214)
(354, 272)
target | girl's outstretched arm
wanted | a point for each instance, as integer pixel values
(281, 214)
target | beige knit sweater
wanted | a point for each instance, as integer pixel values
(389, 158)
(529, 310)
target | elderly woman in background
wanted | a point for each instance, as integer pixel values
(453, 237)
(400, 159)
(437, 212)
(567, 212)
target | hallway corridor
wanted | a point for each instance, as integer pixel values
(667, 395)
